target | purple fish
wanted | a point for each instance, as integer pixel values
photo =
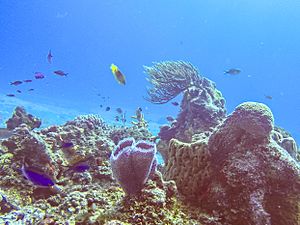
(67, 145)
(27, 81)
(60, 73)
(175, 103)
(19, 91)
(232, 71)
(37, 178)
(39, 75)
(79, 167)
(49, 57)
(17, 82)
(10, 95)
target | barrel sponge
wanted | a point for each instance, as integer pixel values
(254, 118)
(188, 165)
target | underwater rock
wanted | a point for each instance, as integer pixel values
(286, 141)
(26, 144)
(157, 203)
(202, 109)
(88, 122)
(246, 177)
(167, 132)
(21, 116)
(132, 163)
(26, 215)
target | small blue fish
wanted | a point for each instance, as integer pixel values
(17, 82)
(37, 178)
(49, 57)
(39, 75)
(78, 167)
(67, 145)
(119, 110)
(60, 73)
(232, 71)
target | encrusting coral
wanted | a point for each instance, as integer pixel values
(21, 116)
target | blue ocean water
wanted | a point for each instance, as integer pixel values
(259, 37)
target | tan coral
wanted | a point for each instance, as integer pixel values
(188, 166)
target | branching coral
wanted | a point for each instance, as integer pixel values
(170, 78)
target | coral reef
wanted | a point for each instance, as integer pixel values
(202, 107)
(201, 110)
(245, 177)
(90, 196)
(219, 170)
(21, 116)
(138, 133)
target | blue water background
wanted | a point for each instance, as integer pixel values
(259, 37)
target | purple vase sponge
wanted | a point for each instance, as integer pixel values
(132, 163)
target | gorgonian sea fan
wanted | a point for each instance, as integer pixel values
(169, 78)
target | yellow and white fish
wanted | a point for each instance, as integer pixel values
(117, 74)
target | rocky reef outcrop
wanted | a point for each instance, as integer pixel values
(76, 157)
(219, 169)
(20, 116)
(239, 174)
(202, 107)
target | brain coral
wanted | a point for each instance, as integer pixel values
(254, 118)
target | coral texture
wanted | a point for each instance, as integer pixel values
(21, 116)
(202, 107)
(201, 110)
(189, 167)
(251, 177)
